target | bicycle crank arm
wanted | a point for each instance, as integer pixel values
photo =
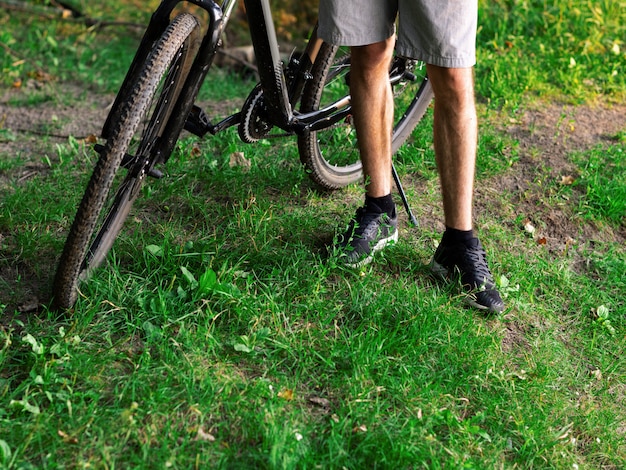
(323, 118)
(198, 122)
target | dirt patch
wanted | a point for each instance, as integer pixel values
(514, 337)
(32, 127)
(52, 113)
(547, 136)
(561, 129)
(31, 131)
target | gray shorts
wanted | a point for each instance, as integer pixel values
(439, 32)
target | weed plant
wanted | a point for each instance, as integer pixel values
(222, 334)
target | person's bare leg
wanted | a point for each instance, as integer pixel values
(375, 224)
(372, 110)
(455, 140)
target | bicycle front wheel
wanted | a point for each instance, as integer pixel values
(130, 148)
(331, 155)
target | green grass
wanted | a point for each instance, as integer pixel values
(604, 190)
(45, 51)
(221, 334)
(581, 43)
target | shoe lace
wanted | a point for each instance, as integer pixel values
(367, 223)
(475, 271)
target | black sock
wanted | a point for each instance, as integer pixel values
(380, 205)
(453, 236)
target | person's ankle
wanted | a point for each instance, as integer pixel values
(454, 236)
(380, 205)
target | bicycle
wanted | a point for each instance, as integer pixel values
(307, 97)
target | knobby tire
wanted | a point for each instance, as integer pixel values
(142, 118)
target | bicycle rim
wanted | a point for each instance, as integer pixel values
(331, 155)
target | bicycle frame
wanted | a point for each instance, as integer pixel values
(281, 86)
(280, 94)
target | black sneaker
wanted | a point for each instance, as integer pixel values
(367, 233)
(468, 262)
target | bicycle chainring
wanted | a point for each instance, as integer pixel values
(254, 124)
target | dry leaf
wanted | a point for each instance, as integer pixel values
(238, 159)
(323, 402)
(29, 306)
(17, 83)
(67, 438)
(359, 428)
(287, 394)
(567, 180)
(195, 151)
(40, 76)
(542, 241)
(66, 14)
(90, 139)
(204, 436)
(529, 227)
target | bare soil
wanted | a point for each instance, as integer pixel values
(547, 133)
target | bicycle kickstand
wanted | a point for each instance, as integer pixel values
(396, 178)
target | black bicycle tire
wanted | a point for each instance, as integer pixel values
(324, 173)
(179, 40)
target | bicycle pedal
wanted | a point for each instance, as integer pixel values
(156, 174)
(198, 122)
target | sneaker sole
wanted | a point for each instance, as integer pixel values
(495, 310)
(469, 300)
(376, 248)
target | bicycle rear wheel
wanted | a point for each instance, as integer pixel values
(331, 155)
(131, 145)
